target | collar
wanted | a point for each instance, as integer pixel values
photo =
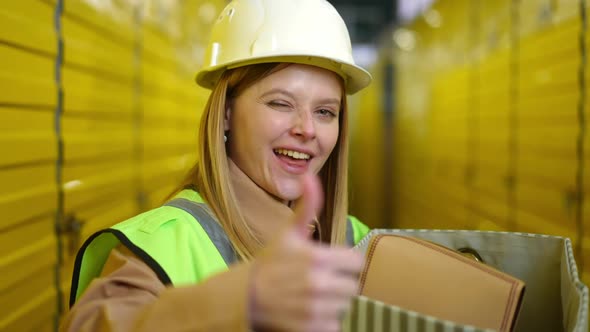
(263, 212)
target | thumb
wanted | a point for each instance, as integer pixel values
(309, 206)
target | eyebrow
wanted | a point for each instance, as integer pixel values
(292, 96)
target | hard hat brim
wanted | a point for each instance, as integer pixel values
(355, 77)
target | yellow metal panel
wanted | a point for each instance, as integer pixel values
(27, 91)
(497, 168)
(97, 167)
(36, 11)
(27, 179)
(26, 136)
(494, 92)
(489, 196)
(534, 15)
(14, 238)
(151, 153)
(158, 47)
(543, 110)
(27, 77)
(492, 145)
(20, 295)
(92, 138)
(46, 326)
(554, 79)
(533, 222)
(23, 262)
(27, 192)
(161, 80)
(161, 107)
(492, 130)
(114, 17)
(541, 46)
(28, 64)
(494, 25)
(418, 214)
(28, 23)
(491, 181)
(86, 183)
(168, 171)
(28, 294)
(584, 260)
(496, 66)
(40, 310)
(560, 142)
(538, 201)
(566, 10)
(88, 47)
(155, 120)
(165, 138)
(587, 162)
(450, 203)
(155, 197)
(27, 275)
(366, 145)
(452, 189)
(87, 92)
(483, 223)
(489, 213)
(547, 171)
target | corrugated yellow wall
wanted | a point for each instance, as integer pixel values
(98, 122)
(366, 160)
(491, 120)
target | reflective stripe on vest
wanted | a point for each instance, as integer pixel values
(201, 212)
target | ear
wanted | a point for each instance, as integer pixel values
(226, 118)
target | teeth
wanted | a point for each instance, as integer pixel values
(293, 154)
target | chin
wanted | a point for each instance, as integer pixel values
(290, 190)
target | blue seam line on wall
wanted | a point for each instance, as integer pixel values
(581, 135)
(60, 156)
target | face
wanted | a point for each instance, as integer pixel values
(284, 126)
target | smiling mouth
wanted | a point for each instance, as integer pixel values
(296, 155)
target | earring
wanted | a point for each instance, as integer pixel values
(225, 138)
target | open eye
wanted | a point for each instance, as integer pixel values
(324, 112)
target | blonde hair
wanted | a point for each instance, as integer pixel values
(210, 176)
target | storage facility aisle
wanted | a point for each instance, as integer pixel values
(490, 126)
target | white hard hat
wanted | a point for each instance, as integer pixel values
(299, 31)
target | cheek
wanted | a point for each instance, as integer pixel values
(328, 140)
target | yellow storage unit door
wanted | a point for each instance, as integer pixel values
(547, 129)
(28, 153)
(99, 122)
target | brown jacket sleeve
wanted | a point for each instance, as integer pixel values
(128, 296)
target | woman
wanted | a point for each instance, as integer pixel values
(273, 140)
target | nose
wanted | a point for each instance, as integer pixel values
(304, 126)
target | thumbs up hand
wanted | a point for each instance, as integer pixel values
(299, 285)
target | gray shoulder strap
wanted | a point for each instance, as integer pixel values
(349, 233)
(202, 214)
